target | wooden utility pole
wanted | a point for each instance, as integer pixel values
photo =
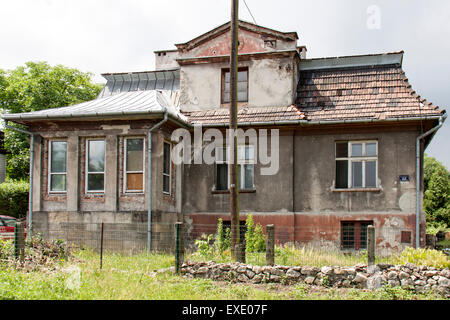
(234, 181)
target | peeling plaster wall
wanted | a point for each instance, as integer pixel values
(249, 42)
(313, 215)
(270, 80)
(270, 84)
(166, 60)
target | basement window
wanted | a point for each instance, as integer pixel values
(242, 85)
(356, 164)
(245, 172)
(354, 234)
(134, 165)
(95, 166)
(57, 164)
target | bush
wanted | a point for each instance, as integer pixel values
(223, 238)
(424, 257)
(204, 246)
(254, 236)
(435, 228)
(6, 249)
(14, 198)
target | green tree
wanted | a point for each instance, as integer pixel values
(436, 200)
(38, 86)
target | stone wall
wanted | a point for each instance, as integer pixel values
(408, 276)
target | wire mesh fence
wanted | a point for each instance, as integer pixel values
(213, 242)
(125, 238)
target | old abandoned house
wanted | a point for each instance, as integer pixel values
(349, 128)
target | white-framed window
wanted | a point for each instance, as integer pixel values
(134, 165)
(356, 164)
(95, 165)
(57, 166)
(246, 168)
(167, 168)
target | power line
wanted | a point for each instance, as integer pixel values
(249, 11)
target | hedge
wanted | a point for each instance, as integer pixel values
(14, 198)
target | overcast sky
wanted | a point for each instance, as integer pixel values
(101, 36)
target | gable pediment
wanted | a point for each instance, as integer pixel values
(252, 38)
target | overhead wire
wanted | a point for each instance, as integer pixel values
(249, 11)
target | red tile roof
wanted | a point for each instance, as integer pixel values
(246, 115)
(379, 92)
(359, 93)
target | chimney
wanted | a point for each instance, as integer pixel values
(302, 52)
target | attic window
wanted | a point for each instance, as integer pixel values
(242, 85)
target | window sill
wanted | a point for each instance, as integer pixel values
(228, 191)
(358, 190)
(241, 104)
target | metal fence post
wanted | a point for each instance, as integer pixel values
(179, 246)
(19, 241)
(370, 245)
(270, 245)
(101, 247)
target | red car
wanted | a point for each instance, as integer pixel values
(7, 227)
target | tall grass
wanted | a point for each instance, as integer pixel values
(130, 278)
(294, 256)
(423, 257)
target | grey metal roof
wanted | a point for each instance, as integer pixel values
(120, 104)
(392, 58)
(139, 81)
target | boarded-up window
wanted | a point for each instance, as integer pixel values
(406, 237)
(134, 165)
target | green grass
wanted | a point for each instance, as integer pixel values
(292, 256)
(131, 277)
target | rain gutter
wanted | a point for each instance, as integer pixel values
(308, 122)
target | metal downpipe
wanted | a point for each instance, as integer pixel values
(30, 192)
(418, 172)
(149, 179)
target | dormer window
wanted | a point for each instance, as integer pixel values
(242, 85)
